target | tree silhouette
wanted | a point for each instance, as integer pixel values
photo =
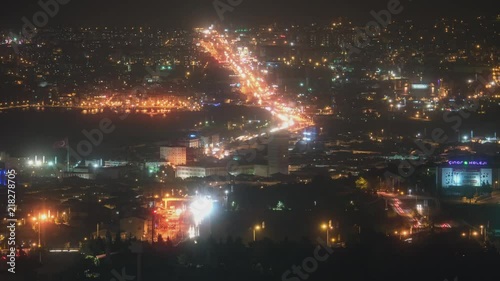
(469, 193)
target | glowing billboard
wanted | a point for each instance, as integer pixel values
(420, 86)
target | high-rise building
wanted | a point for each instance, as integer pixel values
(175, 155)
(277, 153)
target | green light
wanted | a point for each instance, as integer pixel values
(466, 163)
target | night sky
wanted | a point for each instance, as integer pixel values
(188, 13)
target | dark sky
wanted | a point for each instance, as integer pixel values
(194, 12)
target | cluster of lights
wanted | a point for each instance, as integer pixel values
(35, 163)
(397, 207)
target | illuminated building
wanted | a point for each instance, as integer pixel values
(113, 163)
(496, 75)
(422, 90)
(184, 172)
(94, 163)
(455, 176)
(191, 142)
(175, 155)
(309, 134)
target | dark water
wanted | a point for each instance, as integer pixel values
(30, 132)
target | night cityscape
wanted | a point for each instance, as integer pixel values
(249, 140)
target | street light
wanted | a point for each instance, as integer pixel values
(402, 234)
(255, 229)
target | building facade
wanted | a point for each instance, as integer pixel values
(175, 155)
(456, 176)
(184, 172)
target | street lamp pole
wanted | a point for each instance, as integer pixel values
(257, 228)
(255, 232)
(327, 227)
(39, 236)
(327, 236)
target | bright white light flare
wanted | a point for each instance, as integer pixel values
(201, 209)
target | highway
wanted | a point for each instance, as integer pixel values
(405, 205)
(254, 86)
(494, 199)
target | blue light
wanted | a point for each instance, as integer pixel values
(3, 178)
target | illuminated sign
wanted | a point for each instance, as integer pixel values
(468, 163)
(420, 86)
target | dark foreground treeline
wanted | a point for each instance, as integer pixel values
(440, 256)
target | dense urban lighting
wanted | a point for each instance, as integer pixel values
(122, 143)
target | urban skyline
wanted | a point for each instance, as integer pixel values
(235, 140)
